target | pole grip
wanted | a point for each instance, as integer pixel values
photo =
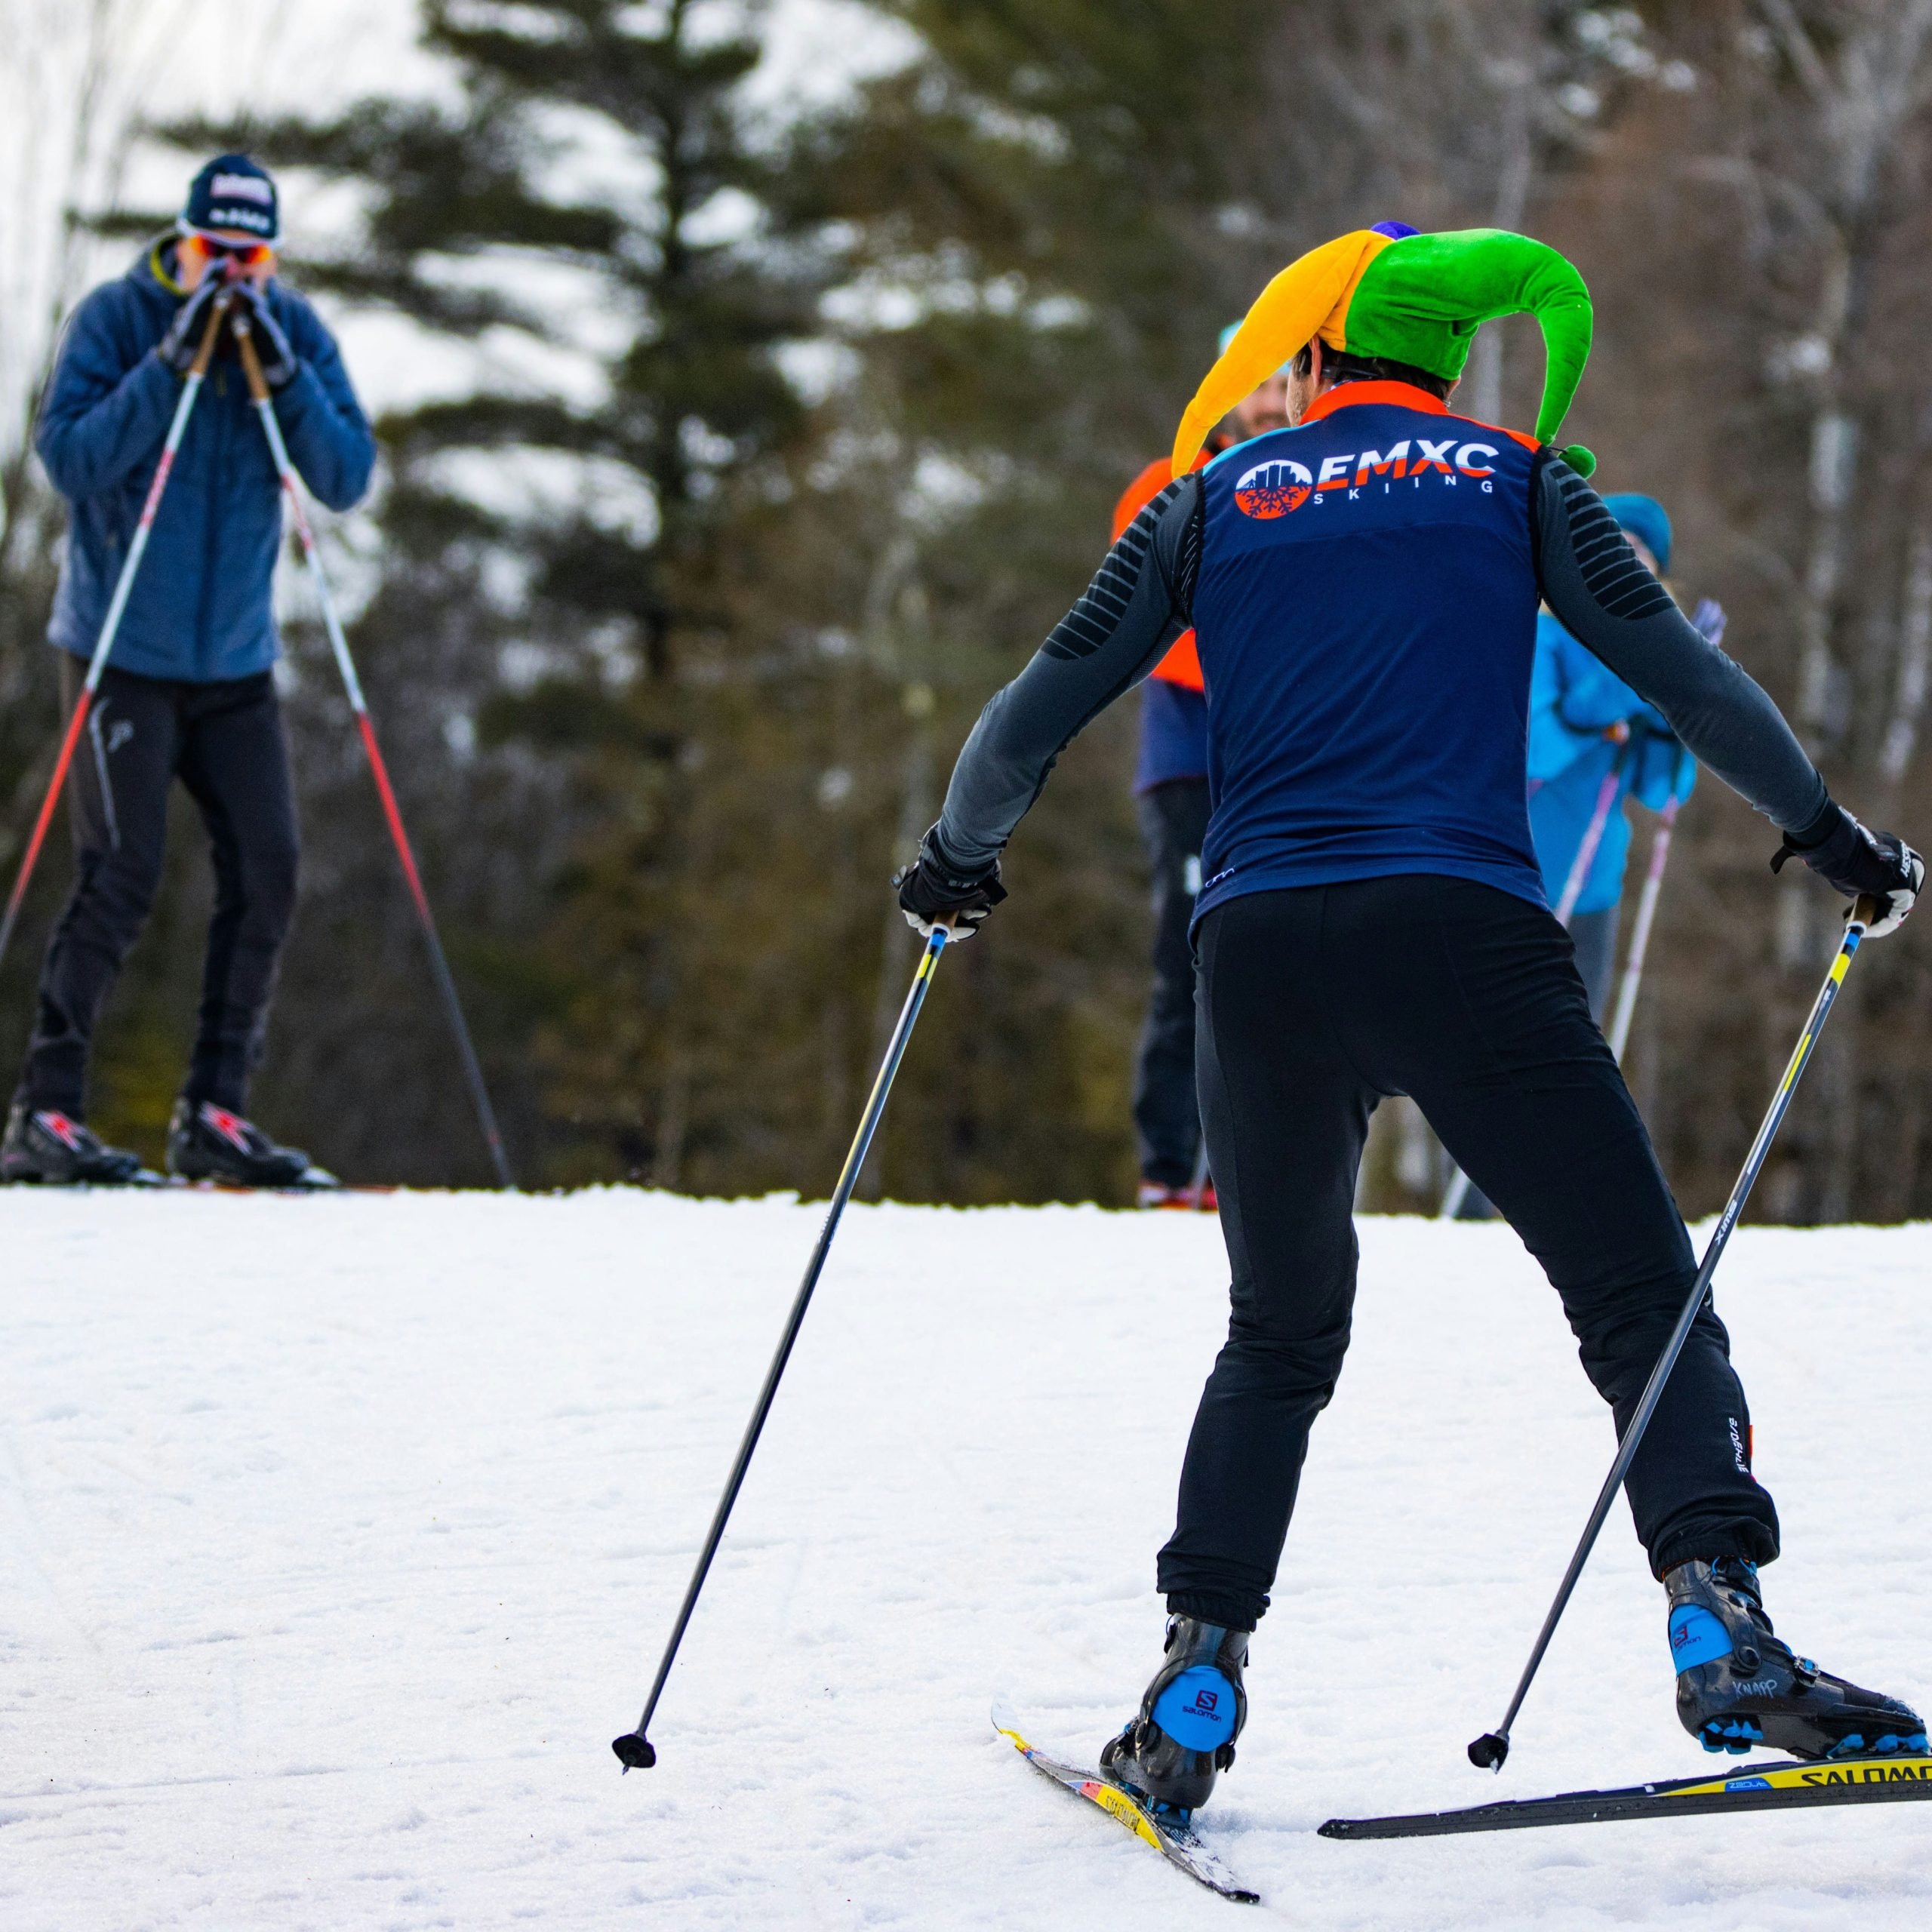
(1864, 911)
(251, 363)
(204, 355)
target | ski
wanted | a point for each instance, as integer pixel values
(311, 1180)
(1179, 1844)
(1750, 1788)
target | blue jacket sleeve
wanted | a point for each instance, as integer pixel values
(1575, 702)
(1553, 745)
(109, 401)
(1594, 699)
(330, 441)
(1659, 766)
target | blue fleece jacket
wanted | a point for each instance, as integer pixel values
(201, 609)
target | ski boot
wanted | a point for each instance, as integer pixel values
(45, 1145)
(1156, 1194)
(208, 1142)
(1170, 1755)
(1739, 1686)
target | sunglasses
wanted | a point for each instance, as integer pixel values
(242, 255)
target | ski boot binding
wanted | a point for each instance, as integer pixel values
(1739, 1686)
(1170, 1755)
(208, 1142)
(45, 1145)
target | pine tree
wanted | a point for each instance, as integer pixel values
(579, 655)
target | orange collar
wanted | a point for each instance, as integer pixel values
(1345, 395)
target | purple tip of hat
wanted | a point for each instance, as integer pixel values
(1395, 230)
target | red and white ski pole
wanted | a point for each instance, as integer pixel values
(176, 429)
(479, 1094)
(1586, 853)
(1647, 913)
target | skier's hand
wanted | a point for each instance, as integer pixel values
(182, 343)
(279, 361)
(932, 893)
(1860, 863)
(1708, 619)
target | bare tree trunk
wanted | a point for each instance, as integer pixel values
(1515, 77)
(896, 638)
(1863, 96)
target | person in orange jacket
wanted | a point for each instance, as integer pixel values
(1170, 790)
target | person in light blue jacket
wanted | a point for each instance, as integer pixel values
(1586, 724)
(188, 692)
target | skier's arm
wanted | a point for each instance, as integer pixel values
(1599, 701)
(107, 402)
(1140, 600)
(1555, 743)
(1607, 600)
(330, 441)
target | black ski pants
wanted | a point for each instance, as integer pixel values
(224, 741)
(1166, 1114)
(1593, 940)
(1316, 1003)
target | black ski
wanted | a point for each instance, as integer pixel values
(1179, 1844)
(1750, 1788)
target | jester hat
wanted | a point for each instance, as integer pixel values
(1417, 299)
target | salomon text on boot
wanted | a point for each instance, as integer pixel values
(1739, 1686)
(1193, 1710)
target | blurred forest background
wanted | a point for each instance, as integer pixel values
(801, 418)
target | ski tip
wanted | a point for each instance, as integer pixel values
(635, 1753)
(1489, 1751)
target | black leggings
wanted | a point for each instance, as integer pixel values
(1167, 1117)
(1315, 1003)
(224, 742)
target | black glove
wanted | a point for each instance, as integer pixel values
(1859, 862)
(932, 893)
(279, 362)
(182, 343)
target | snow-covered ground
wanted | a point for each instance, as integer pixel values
(341, 1535)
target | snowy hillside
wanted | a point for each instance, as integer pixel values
(341, 1535)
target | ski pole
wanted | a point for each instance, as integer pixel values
(1646, 912)
(634, 1751)
(1489, 1751)
(1586, 853)
(1458, 1189)
(479, 1094)
(176, 429)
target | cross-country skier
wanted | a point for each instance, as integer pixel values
(1170, 788)
(1363, 586)
(189, 692)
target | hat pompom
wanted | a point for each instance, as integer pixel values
(1583, 461)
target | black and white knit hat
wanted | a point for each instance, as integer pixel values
(234, 192)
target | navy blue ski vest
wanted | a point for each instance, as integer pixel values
(1366, 608)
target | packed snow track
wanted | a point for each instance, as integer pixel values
(341, 1535)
